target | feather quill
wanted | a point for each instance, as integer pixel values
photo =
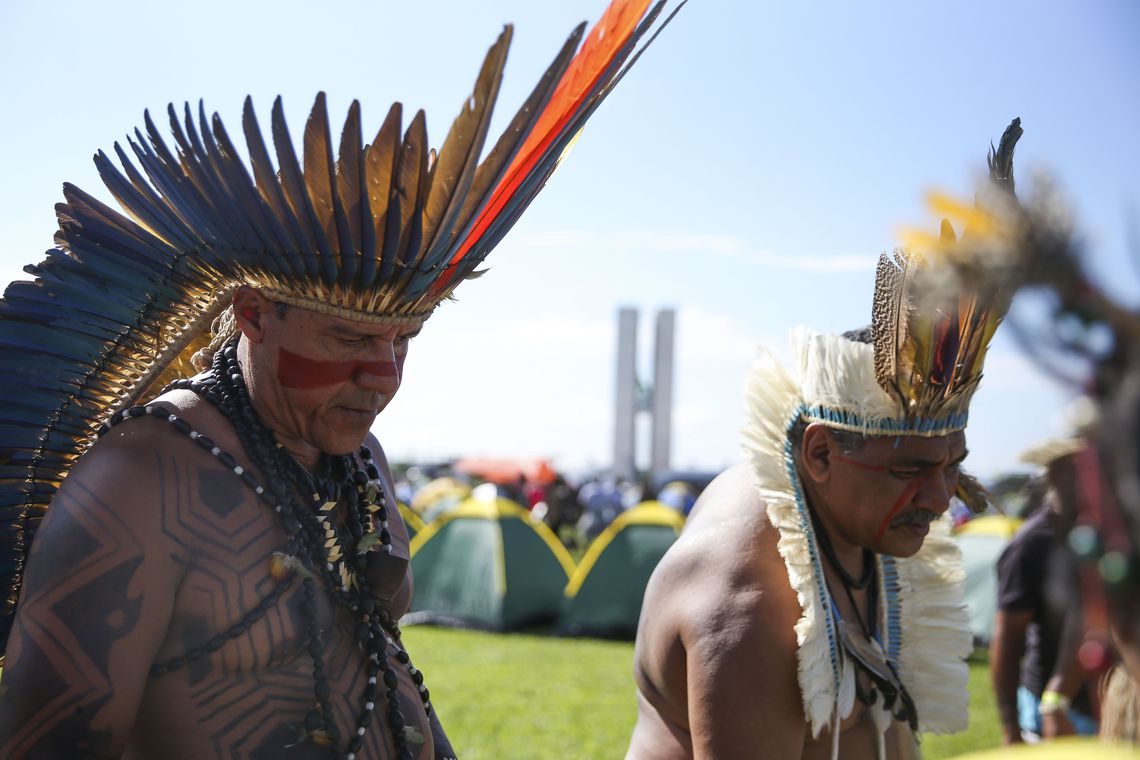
(320, 181)
(349, 179)
(411, 178)
(601, 45)
(380, 166)
(459, 156)
(293, 185)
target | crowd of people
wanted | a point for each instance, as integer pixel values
(576, 509)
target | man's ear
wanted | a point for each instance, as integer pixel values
(251, 310)
(815, 452)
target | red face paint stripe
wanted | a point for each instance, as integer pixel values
(301, 373)
(860, 465)
(907, 494)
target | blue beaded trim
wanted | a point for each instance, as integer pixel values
(816, 564)
(892, 624)
(885, 425)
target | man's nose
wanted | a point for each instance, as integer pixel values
(381, 374)
(935, 492)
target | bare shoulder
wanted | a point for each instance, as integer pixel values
(723, 577)
(719, 618)
(728, 548)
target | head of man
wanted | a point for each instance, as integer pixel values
(878, 492)
(317, 380)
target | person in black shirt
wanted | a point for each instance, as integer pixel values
(1038, 683)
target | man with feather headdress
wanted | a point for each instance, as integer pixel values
(221, 573)
(813, 606)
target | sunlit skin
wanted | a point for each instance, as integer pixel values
(301, 372)
(715, 661)
(354, 370)
(882, 496)
(162, 550)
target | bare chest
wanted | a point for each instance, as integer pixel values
(248, 654)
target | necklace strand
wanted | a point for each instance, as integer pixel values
(313, 549)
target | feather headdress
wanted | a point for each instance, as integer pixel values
(380, 232)
(930, 333)
(915, 377)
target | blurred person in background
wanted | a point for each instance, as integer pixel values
(1040, 688)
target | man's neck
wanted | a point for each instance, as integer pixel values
(849, 555)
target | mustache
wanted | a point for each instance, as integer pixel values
(917, 518)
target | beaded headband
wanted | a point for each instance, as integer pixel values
(381, 233)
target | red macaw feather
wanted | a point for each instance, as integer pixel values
(603, 42)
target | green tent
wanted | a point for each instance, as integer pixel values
(604, 595)
(487, 564)
(411, 520)
(981, 541)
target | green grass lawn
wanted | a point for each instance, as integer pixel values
(519, 697)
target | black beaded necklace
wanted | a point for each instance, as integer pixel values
(313, 550)
(825, 545)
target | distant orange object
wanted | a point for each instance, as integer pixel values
(507, 470)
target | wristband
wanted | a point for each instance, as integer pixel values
(1052, 702)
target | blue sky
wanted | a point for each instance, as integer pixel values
(747, 173)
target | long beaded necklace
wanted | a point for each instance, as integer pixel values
(881, 674)
(313, 550)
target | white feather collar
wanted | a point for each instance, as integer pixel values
(924, 619)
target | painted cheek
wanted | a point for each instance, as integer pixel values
(302, 373)
(904, 499)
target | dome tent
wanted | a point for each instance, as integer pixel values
(981, 541)
(604, 595)
(412, 520)
(487, 564)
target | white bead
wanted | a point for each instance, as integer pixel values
(238, 470)
(360, 731)
(387, 548)
(329, 565)
(259, 490)
(383, 523)
(171, 418)
(277, 508)
(350, 756)
(369, 706)
(193, 435)
(372, 680)
(215, 451)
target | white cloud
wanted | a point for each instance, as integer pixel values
(707, 336)
(644, 242)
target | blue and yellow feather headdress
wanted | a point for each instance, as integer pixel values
(380, 231)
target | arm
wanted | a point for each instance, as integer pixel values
(1068, 676)
(390, 576)
(443, 750)
(399, 603)
(737, 628)
(1006, 650)
(94, 608)
(1020, 574)
(744, 696)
